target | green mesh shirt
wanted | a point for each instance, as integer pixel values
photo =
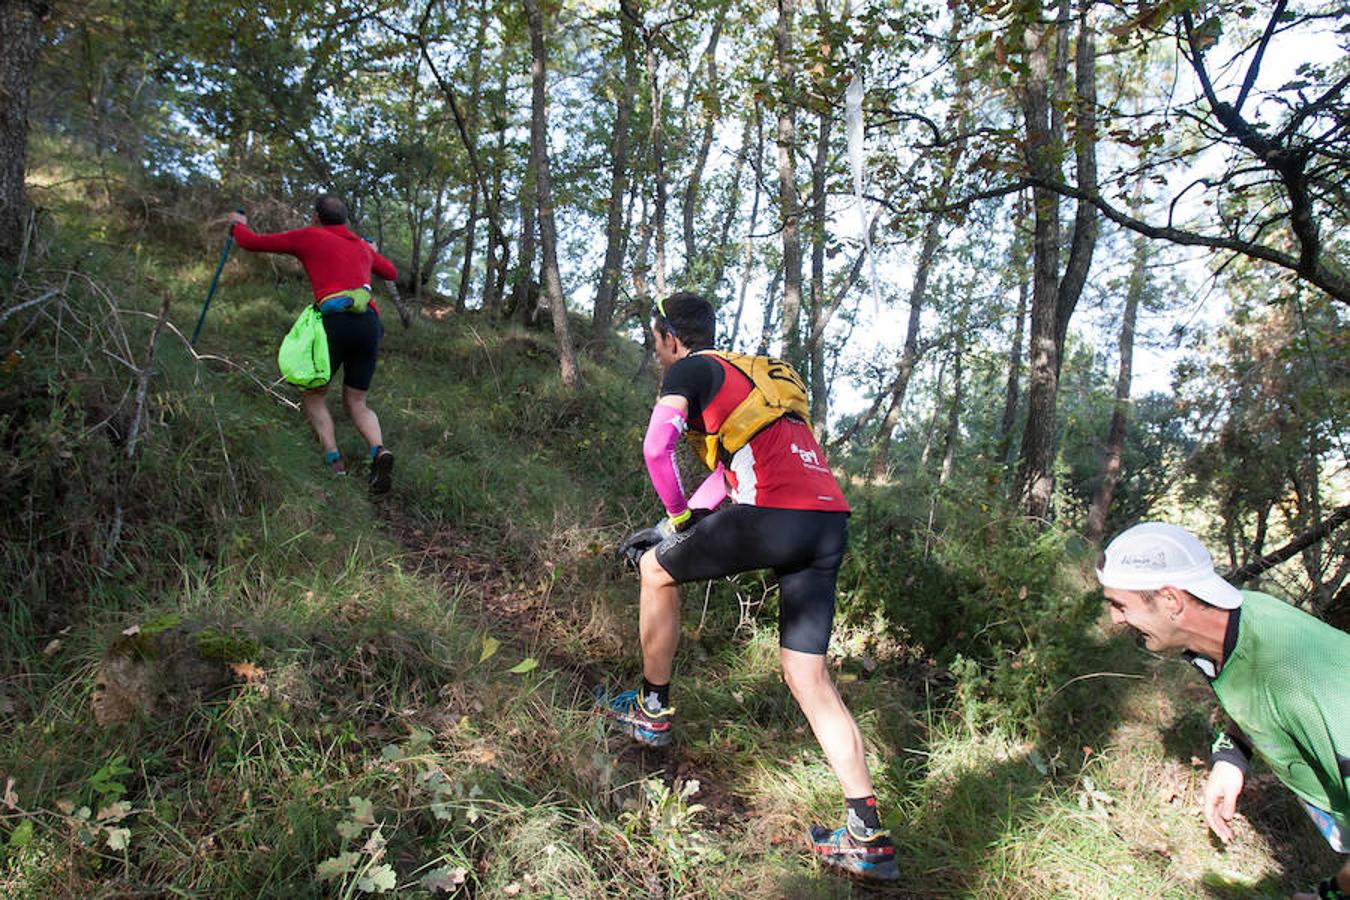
(1286, 684)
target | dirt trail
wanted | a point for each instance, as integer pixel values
(449, 556)
(523, 616)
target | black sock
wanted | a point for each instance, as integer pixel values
(662, 692)
(862, 813)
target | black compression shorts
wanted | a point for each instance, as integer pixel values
(353, 345)
(803, 547)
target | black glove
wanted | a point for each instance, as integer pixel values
(638, 543)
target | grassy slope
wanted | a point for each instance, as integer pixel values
(372, 621)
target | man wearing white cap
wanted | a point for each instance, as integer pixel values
(1282, 676)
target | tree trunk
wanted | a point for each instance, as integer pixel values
(439, 239)
(770, 303)
(471, 222)
(1053, 300)
(819, 306)
(1084, 239)
(954, 414)
(642, 289)
(547, 233)
(525, 259)
(909, 356)
(720, 253)
(918, 291)
(1010, 393)
(405, 312)
(466, 267)
(749, 248)
(1035, 483)
(790, 205)
(606, 294)
(1115, 438)
(499, 248)
(931, 430)
(708, 114)
(415, 279)
(19, 40)
(656, 138)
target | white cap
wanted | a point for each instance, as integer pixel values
(1152, 555)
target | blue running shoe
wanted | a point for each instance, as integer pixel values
(871, 858)
(653, 728)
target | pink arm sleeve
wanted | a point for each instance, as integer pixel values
(711, 492)
(658, 448)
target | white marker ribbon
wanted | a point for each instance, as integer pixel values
(853, 114)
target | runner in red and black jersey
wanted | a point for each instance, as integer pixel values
(339, 264)
(787, 514)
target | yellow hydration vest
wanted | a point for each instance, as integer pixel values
(776, 390)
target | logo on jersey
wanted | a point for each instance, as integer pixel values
(809, 457)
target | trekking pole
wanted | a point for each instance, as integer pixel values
(224, 254)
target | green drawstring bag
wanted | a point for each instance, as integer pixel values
(303, 357)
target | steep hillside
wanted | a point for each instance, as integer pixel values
(409, 704)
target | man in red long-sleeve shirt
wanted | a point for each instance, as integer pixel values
(339, 264)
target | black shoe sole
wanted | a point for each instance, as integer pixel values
(381, 474)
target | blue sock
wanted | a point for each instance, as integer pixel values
(332, 456)
(375, 451)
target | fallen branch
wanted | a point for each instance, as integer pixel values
(143, 381)
(229, 363)
(1300, 543)
(1056, 691)
(14, 310)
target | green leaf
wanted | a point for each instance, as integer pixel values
(104, 780)
(378, 880)
(419, 740)
(444, 879)
(118, 838)
(362, 810)
(391, 753)
(114, 812)
(490, 645)
(337, 865)
(350, 830)
(528, 664)
(21, 836)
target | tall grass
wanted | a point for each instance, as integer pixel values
(1017, 748)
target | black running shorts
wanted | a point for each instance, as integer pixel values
(353, 345)
(803, 547)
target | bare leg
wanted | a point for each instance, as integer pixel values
(315, 403)
(658, 620)
(832, 723)
(362, 416)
